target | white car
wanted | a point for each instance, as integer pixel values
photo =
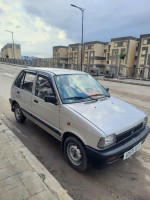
(77, 110)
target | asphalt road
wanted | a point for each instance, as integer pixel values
(125, 180)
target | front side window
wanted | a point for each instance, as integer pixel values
(27, 82)
(43, 87)
(75, 88)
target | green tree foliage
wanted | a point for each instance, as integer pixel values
(122, 56)
(7, 56)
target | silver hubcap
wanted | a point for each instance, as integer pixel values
(74, 154)
(18, 113)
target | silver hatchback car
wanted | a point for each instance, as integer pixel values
(76, 109)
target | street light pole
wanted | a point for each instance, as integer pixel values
(82, 10)
(12, 41)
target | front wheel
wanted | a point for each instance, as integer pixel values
(75, 154)
(18, 114)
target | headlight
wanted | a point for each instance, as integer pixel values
(107, 141)
(145, 121)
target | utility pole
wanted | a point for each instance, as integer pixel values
(82, 10)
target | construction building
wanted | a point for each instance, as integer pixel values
(12, 51)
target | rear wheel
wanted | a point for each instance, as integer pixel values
(18, 114)
(75, 154)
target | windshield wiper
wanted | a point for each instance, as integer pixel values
(77, 98)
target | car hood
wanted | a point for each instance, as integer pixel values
(110, 115)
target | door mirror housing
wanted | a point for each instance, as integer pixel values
(51, 99)
(107, 89)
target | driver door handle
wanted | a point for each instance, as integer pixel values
(36, 101)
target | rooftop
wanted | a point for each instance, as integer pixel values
(55, 71)
(124, 38)
(96, 42)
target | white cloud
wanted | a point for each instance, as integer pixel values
(35, 36)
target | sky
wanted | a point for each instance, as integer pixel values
(39, 25)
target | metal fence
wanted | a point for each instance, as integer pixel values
(16, 61)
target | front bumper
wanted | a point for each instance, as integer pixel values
(116, 152)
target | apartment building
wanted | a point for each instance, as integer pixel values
(60, 56)
(143, 57)
(11, 51)
(126, 45)
(95, 54)
(74, 56)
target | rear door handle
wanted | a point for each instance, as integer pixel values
(36, 101)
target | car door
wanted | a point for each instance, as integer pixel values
(45, 112)
(23, 90)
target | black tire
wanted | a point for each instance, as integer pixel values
(18, 114)
(75, 154)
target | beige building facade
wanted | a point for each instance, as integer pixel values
(95, 54)
(104, 55)
(143, 57)
(74, 56)
(12, 51)
(127, 46)
(60, 56)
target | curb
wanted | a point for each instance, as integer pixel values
(120, 81)
(44, 175)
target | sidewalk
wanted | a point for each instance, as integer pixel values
(126, 81)
(22, 176)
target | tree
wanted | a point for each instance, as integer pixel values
(122, 57)
(7, 56)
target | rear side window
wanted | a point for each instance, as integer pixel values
(25, 81)
(28, 81)
(19, 79)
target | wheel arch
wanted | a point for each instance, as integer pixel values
(12, 104)
(69, 134)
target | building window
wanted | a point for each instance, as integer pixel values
(116, 44)
(124, 44)
(143, 52)
(91, 54)
(86, 54)
(73, 49)
(75, 54)
(145, 41)
(92, 47)
(142, 62)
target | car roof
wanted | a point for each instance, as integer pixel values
(55, 71)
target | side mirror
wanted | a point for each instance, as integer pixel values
(51, 99)
(107, 89)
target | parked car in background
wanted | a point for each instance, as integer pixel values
(91, 125)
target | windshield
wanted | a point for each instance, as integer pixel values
(75, 88)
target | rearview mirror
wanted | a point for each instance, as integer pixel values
(51, 99)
